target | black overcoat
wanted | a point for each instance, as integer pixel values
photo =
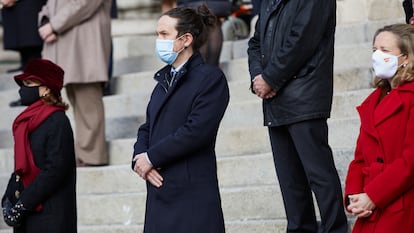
(20, 25)
(408, 10)
(293, 49)
(179, 136)
(55, 185)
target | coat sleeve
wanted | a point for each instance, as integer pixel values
(254, 53)
(74, 13)
(200, 128)
(312, 21)
(142, 142)
(397, 177)
(354, 180)
(44, 13)
(58, 165)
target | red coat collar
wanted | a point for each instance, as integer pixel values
(373, 113)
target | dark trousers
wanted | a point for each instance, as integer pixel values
(29, 53)
(304, 164)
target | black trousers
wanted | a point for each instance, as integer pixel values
(304, 164)
(29, 53)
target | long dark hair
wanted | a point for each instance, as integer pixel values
(197, 22)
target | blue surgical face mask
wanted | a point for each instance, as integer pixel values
(165, 50)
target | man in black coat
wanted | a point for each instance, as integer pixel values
(175, 147)
(408, 9)
(20, 31)
(291, 67)
(20, 25)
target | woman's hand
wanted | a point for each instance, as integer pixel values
(360, 205)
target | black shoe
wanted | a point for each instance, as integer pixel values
(106, 89)
(16, 103)
(18, 69)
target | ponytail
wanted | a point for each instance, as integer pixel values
(197, 22)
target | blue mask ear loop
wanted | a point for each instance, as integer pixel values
(178, 52)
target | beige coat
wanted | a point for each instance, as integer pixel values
(84, 38)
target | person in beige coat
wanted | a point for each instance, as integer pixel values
(77, 36)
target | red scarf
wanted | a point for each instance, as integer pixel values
(25, 123)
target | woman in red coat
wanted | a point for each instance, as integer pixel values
(380, 182)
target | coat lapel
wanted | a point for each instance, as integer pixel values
(167, 93)
(271, 7)
(366, 110)
(391, 104)
(161, 100)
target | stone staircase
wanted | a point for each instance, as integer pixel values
(111, 199)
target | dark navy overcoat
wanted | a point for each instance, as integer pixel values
(20, 24)
(179, 136)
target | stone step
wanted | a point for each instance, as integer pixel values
(233, 173)
(136, 72)
(230, 141)
(127, 33)
(344, 103)
(248, 140)
(346, 56)
(238, 204)
(239, 226)
(132, 105)
(7, 82)
(360, 32)
(121, 179)
(237, 74)
(121, 154)
(123, 192)
(122, 111)
(249, 112)
(6, 138)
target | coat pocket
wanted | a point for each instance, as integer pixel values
(396, 205)
(372, 171)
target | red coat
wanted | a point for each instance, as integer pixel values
(383, 166)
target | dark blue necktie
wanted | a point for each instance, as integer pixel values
(171, 79)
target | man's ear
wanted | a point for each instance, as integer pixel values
(188, 39)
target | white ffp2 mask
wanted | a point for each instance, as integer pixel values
(385, 65)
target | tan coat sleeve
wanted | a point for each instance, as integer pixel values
(73, 13)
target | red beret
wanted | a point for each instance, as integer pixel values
(44, 71)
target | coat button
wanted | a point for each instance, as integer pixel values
(380, 160)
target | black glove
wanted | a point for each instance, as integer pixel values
(6, 206)
(13, 215)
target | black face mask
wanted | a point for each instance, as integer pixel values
(29, 95)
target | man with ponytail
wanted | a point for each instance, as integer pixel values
(175, 147)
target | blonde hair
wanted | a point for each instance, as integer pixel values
(405, 42)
